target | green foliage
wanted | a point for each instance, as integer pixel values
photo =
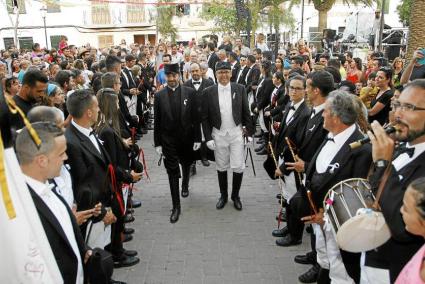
(164, 18)
(224, 17)
(403, 11)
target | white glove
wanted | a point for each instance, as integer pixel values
(249, 139)
(211, 145)
(159, 150)
(196, 146)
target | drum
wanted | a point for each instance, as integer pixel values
(358, 227)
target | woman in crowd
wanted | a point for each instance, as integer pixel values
(398, 66)
(55, 97)
(12, 87)
(370, 91)
(355, 71)
(15, 67)
(413, 211)
(278, 66)
(36, 50)
(381, 104)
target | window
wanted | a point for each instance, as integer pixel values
(105, 41)
(12, 3)
(53, 7)
(183, 9)
(8, 42)
(54, 41)
(25, 43)
(135, 12)
(100, 13)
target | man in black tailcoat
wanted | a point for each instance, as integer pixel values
(176, 133)
(199, 84)
(226, 124)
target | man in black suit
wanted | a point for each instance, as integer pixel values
(333, 162)
(319, 85)
(407, 163)
(199, 84)
(243, 70)
(252, 76)
(233, 59)
(226, 124)
(176, 133)
(212, 57)
(128, 84)
(38, 165)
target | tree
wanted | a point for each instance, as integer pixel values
(403, 11)
(416, 27)
(224, 17)
(165, 13)
(323, 7)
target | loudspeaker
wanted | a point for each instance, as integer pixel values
(329, 34)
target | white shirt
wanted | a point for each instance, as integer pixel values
(292, 111)
(329, 151)
(317, 109)
(259, 86)
(240, 73)
(64, 185)
(274, 93)
(404, 159)
(86, 132)
(197, 85)
(59, 211)
(225, 103)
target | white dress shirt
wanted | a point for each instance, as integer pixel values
(86, 132)
(225, 103)
(331, 148)
(240, 73)
(59, 211)
(317, 109)
(196, 85)
(292, 111)
(64, 185)
(404, 159)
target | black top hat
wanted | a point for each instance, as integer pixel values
(171, 68)
(222, 65)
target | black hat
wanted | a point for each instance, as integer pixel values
(171, 68)
(223, 65)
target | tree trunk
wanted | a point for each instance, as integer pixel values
(323, 20)
(417, 27)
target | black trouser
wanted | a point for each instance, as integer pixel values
(297, 208)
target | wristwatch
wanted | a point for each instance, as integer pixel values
(381, 163)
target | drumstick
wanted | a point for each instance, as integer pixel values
(310, 200)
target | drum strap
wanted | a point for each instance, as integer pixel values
(381, 187)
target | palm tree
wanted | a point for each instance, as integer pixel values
(417, 27)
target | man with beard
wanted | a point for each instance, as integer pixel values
(33, 88)
(407, 163)
(176, 132)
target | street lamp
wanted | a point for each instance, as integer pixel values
(43, 11)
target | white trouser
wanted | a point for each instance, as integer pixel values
(229, 150)
(373, 275)
(328, 254)
(261, 121)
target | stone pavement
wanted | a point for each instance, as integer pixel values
(208, 245)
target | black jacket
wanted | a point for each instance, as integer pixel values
(253, 78)
(126, 86)
(204, 84)
(62, 250)
(211, 109)
(242, 76)
(235, 72)
(165, 125)
(353, 163)
(263, 94)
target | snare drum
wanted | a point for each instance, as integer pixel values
(358, 227)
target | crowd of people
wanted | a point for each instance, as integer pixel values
(90, 107)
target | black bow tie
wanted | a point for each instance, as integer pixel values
(196, 82)
(408, 151)
(330, 139)
(313, 112)
(92, 133)
(292, 107)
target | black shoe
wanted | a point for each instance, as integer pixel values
(129, 211)
(185, 191)
(262, 152)
(260, 141)
(260, 148)
(287, 241)
(175, 213)
(221, 202)
(127, 238)
(311, 275)
(128, 219)
(205, 163)
(258, 135)
(112, 281)
(237, 203)
(309, 230)
(149, 127)
(280, 233)
(130, 252)
(128, 231)
(307, 258)
(135, 203)
(144, 131)
(126, 261)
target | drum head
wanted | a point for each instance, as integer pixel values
(363, 232)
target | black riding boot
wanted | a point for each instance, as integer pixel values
(236, 186)
(222, 183)
(185, 181)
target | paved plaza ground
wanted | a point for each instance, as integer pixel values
(208, 245)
